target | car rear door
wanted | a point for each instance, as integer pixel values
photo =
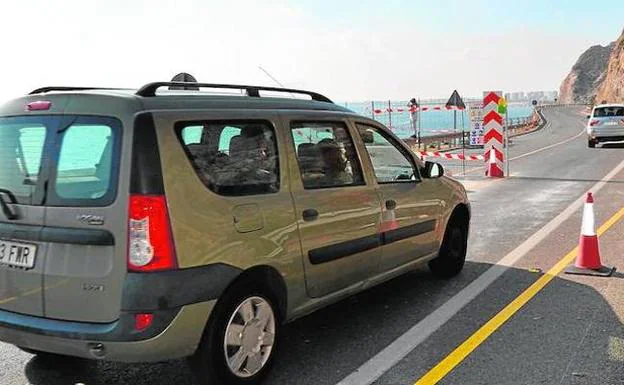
(411, 205)
(85, 225)
(22, 255)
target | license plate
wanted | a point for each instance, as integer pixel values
(17, 254)
(611, 124)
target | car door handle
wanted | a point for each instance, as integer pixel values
(309, 215)
(391, 204)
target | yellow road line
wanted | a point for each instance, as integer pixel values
(468, 346)
(31, 292)
(6, 300)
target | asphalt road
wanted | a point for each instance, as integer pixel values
(570, 333)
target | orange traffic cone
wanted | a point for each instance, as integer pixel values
(588, 258)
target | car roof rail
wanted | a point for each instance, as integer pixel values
(149, 90)
(44, 90)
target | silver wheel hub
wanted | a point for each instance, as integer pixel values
(249, 337)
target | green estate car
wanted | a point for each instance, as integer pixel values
(174, 221)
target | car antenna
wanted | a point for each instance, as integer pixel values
(275, 80)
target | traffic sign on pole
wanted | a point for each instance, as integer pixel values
(476, 124)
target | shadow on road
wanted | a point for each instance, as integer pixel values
(328, 345)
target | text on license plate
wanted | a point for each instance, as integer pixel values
(17, 254)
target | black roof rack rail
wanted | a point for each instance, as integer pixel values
(43, 90)
(149, 89)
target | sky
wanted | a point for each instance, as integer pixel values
(347, 50)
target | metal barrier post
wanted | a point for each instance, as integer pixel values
(454, 126)
(419, 124)
(507, 143)
(463, 147)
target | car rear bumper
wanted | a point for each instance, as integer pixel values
(606, 134)
(179, 338)
(607, 138)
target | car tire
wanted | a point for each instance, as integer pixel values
(215, 360)
(452, 256)
(591, 143)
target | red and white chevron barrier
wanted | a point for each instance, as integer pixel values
(493, 137)
(450, 156)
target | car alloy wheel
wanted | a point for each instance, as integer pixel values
(249, 337)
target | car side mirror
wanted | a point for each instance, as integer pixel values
(433, 170)
(588, 116)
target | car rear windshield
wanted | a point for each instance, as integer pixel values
(60, 160)
(603, 112)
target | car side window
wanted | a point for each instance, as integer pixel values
(232, 158)
(326, 155)
(192, 135)
(390, 163)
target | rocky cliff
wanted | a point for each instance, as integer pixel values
(587, 75)
(612, 88)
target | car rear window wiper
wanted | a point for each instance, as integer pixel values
(10, 214)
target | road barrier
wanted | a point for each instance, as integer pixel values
(454, 141)
(588, 257)
(566, 105)
(493, 137)
(422, 154)
(454, 138)
(493, 170)
(398, 110)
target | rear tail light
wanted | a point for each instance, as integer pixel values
(150, 241)
(594, 122)
(142, 321)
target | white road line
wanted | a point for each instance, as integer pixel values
(402, 346)
(548, 147)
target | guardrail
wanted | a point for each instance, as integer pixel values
(457, 139)
(563, 105)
